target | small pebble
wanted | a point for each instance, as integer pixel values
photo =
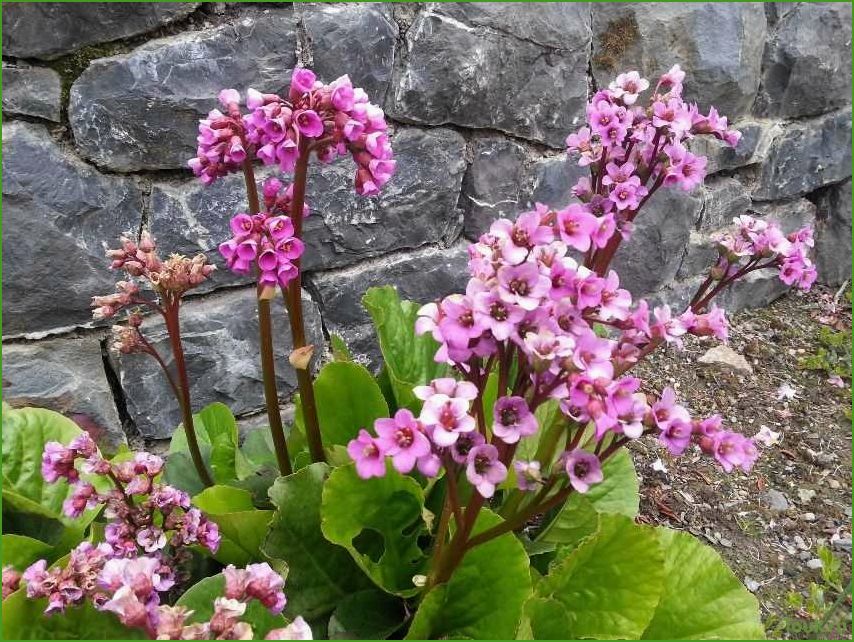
(834, 484)
(814, 563)
(751, 584)
(808, 517)
(805, 495)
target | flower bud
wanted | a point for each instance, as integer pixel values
(301, 357)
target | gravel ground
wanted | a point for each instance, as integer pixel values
(770, 523)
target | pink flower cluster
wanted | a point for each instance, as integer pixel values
(170, 278)
(255, 582)
(632, 150)
(266, 240)
(758, 243)
(338, 118)
(329, 119)
(151, 525)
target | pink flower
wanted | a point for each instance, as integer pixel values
(732, 450)
(308, 123)
(665, 411)
(528, 475)
(449, 387)
(522, 285)
(627, 86)
(676, 435)
(513, 419)
(126, 604)
(484, 471)
(448, 416)
(402, 439)
(583, 469)
(496, 315)
(265, 585)
(368, 455)
(296, 630)
(628, 195)
(576, 225)
(302, 81)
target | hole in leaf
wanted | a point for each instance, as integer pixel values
(371, 543)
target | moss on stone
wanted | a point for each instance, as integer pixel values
(615, 40)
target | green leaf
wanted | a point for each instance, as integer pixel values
(408, 357)
(379, 520)
(216, 432)
(610, 585)
(348, 399)
(618, 493)
(24, 619)
(367, 615)
(241, 526)
(546, 619)
(702, 598)
(340, 351)
(483, 600)
(490, 396)
(320, 574)
(20, 551)
(25, 433)
(200, 598)
(573, 523)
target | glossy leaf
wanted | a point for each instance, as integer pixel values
(379, 521)
(20, 551)
(241, 525)
(320, 574)
(609, 586)
(702, 598)
(617, 493)
(367, 615)
(24, 619)
(483, 600)
(25, 433)
(348, 399)
(200, 598)
(216, 432)
(407, 356)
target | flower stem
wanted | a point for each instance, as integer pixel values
(265, 332)
(173, 327)
(293, 300)
(271, 397)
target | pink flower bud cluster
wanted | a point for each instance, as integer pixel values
(255, 582)
(331, 120)
(150, 527)
(266, 240)
(170, 279)
(11, 580)
(336, 118)
(632, 150)
(222, 140)
(758, 243)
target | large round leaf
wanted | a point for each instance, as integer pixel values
(24, 619)
(379, 521)
(320, 574)
(617, 493)
(483, 600)
(408, 357)
(25, 433)
(216, 432)
(200, 599)
(702, 597)
(610, 585)
(348, 399)
(367, 615)
(241, 525)
(20, 551)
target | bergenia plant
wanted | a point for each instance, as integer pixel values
(169, 281)
(479, 486)
(544, 320)
(318, 120)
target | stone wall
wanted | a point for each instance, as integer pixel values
(101, 102)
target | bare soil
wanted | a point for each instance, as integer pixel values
(770, 542)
